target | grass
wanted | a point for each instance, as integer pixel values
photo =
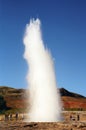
(13, 111)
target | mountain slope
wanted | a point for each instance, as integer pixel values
(16, 98)
(65, 92)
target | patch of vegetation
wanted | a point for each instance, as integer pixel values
(2, 104)
(13, 111)
(75, 109)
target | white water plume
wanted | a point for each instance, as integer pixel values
(44, 96)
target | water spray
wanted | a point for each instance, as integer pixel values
(45, 105)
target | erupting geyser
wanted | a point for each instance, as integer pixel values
(44, 97)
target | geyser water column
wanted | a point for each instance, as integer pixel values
(44, 96)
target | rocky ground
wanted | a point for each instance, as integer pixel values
(70, 122)
(19, 125)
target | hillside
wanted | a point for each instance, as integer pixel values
(17, 99)
(4, 90)
(14, 98)
(65, 92)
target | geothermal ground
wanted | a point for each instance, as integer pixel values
(19, 125)
(67, 124)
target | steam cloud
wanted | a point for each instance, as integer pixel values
(44, 97)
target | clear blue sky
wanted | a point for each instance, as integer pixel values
(64, 33)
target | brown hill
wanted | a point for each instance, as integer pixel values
(72, 100)
(65, 92)
(17, 99)
(74, 103)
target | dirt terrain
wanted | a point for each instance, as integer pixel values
(19, 125)
(71, 121)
